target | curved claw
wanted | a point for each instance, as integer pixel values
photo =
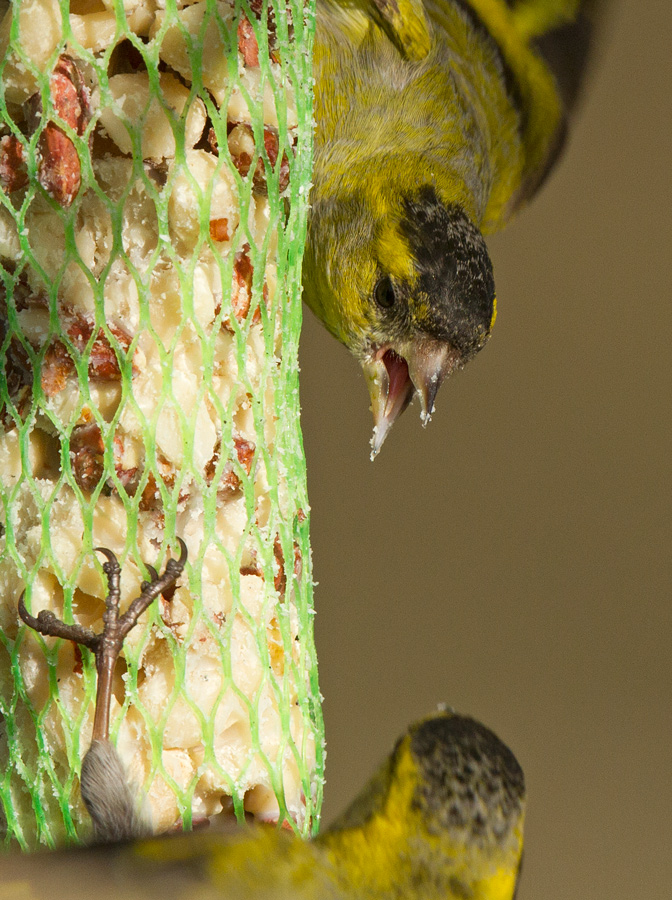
(112, 564)
(151, 589)
(108, 553)
(153, 576)
(29, 620)
(183, 553)
(165, 584)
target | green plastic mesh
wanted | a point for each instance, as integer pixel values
(154, 169)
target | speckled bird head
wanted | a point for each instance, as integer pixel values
(449, 803)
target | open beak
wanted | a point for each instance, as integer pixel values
(391, 390)
(395, 374)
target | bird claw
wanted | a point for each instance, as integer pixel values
(153, 576)
(46, 623)
(107, 644)
(112, 564)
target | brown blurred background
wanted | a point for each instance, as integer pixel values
(513, 559)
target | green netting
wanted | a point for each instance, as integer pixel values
(154, 165)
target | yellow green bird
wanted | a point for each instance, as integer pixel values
(441, 820)
(436, 120)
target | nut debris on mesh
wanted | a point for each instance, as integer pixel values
(154, 165)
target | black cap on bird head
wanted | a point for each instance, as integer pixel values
(450, 802)
(435, 317)
(471, 795)
(469, 782)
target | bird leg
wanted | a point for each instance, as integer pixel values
(104, 790)
(106, 645)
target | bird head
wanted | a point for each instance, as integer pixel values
(444, 814)
(406, 283)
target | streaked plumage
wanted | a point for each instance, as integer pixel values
(436, 120)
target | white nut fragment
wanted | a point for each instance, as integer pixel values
(46, 235)
(174, 48)
(260, 91)
(138, 109)
(207, 180)
(94, 236)
(10, 246)
(215, 70)
(40, 29)
(95, 30)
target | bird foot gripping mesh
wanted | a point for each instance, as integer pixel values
(154, 166)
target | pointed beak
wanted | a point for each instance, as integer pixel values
(429, 363)
(390, 389)
(394, 375)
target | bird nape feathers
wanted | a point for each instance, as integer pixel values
(435, 121)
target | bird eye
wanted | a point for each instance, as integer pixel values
(383, 293)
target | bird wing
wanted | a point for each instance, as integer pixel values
(544, 46)
(406, 25)
(563, 33)
(536, 17)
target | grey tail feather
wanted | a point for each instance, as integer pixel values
(111, 803)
